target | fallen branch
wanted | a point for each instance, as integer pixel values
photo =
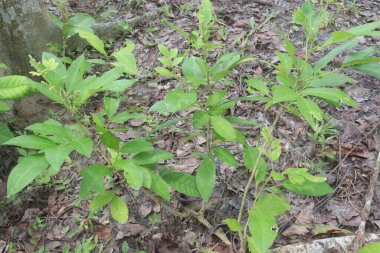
(335, 244)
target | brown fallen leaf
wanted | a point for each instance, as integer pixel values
(103, 233)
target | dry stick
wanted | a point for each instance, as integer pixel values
(190, 213)
(360, 234)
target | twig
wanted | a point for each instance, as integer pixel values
(360, 234)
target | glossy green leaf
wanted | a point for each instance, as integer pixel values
(110, 140)
(26, 170)
(101, 199)
(225, 155)
(181, 182)
(136, 146)
(224, 128)
(233, 225)
(205, 178)
(14, 87)
(200, 119)
(119, 210)
(152, 156)
(195, 71)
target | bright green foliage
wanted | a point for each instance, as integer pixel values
(170, 60)
(5, 133)
(176, 100)
(119, 210)
(262, 222)
(136, 146)
(101, 200)
(250, 156)
(225, 155)
(195, 71)
(370, 248)
(233, 225)
(205, 178)
(27, 169)
(93, 177)
(14, 87)
(181, 182)
(223, 128)
(309, 18)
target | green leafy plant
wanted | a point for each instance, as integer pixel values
(297, 85)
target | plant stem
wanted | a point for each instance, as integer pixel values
(252, 176)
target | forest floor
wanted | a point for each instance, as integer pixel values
(51, 216)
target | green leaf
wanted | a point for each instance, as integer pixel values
(206, 11)
(309, 108)
(152, 156)
(57, 155)
(288, 45)
(283, 93)
(371, 69)
(361, 61)
(159, 186)
(75, 73)
(83, 146)
(330, 95)
(224, 65)
(195, 71)
(14, 87)
(126, 60)
(286, 63)
(370, 248)
(200, 119)
(101, 199)
(225, 155)
(110, 140)
(250, 156)
(241, 121)
(136, 146)
(119, 85)
(177, 29)
(175, 101)
(132, 172)
(80, 21)
(181, 182)
(119, 210)
(31, 141)
(223, 128)
(163, 50)
(4, 106)
(93, 177)
(125, 116)
(325, 60)
(331, 79)
(205, 178)
(165, 72)
(233, 225)
(309, 18)
(5, 133)
(26, 170)
(365, 53)
(93, 40)
(262, 221)
(300, 175)
(110, 106)
(216, 98)
(258, 84)
(309, 188)
(365, 29)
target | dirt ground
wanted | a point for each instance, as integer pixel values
(52, 216)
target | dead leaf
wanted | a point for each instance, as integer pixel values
(103, 233)
(296, 230)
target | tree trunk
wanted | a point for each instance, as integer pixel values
(25, 29)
